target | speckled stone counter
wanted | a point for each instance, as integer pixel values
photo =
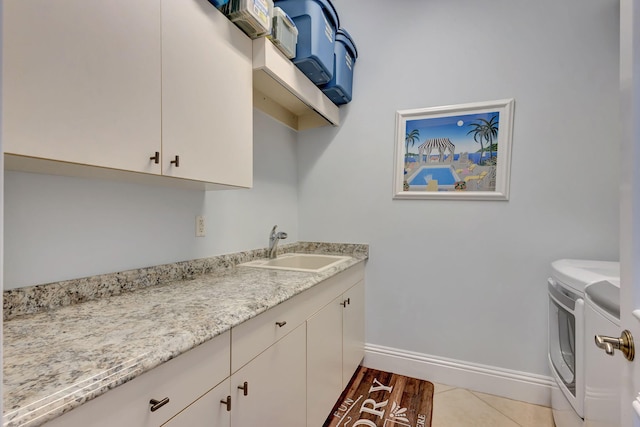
(58, 359)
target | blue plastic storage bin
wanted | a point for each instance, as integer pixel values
(218, 3)
(340, 88)
(317, 22)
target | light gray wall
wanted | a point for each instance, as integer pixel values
(58, 228)
(464, 280)
(467, 279)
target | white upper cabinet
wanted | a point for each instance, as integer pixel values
(137, 89)
(81, 81)
(207, 111)
(108, 84)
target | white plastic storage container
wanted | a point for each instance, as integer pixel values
(284, 33)
(251, 16)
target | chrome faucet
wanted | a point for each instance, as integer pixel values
(273, 241)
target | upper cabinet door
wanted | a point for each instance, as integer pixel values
(81, 81)
(207, 117)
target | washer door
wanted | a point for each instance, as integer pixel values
(566, 349)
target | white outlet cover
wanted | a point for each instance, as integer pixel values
(201, 230)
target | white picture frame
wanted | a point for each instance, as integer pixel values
(454, 152)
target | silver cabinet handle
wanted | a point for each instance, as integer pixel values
(157, 404)
(624, 344)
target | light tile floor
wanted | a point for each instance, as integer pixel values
(458, 407)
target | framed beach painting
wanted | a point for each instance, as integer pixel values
(454, 152)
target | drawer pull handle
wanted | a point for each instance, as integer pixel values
(245, 388)
(346, 302)
(227, 402)
(157, 404)
(156, 158)
(176, 161)
(281, 324)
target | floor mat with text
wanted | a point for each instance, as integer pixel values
(382, 399)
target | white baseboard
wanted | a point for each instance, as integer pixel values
(523, 386)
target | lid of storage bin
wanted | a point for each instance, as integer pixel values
(331, 11)
(326, 5)
(345, 38)
(286, 18)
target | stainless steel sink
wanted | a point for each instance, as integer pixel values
(298, 262)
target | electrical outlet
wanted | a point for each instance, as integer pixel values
(201, 230)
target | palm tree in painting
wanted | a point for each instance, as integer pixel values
(412, 137)
(487, 131)
(491, 133)
(477, 137)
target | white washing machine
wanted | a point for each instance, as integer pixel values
(566, 352)
(602, 379)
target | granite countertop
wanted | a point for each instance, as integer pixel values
(56, 360)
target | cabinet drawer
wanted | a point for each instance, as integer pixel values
(255, 335)
(182, 380)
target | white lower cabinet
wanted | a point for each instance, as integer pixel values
(178, 382)
(335, 348)
(324, 360)
(275, 385)
(211, 410)
(352, 331)
(285, 367)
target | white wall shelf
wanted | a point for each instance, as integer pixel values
(282, 91)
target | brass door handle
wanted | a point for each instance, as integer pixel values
(624, 344)
(157, 404)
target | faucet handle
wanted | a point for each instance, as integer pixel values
(278, 235)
